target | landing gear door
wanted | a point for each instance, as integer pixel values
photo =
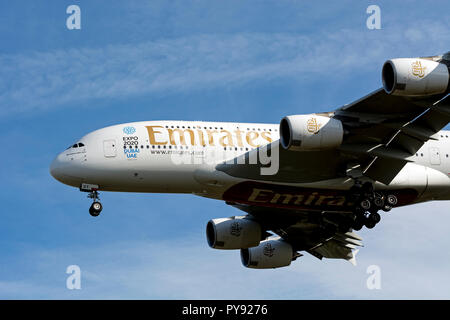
(435, 157)
(109, 148)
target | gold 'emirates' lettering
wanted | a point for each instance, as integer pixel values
(255, 196)
(202, 138)
(251, 137)
(181, 136)
(266, 136)
(151, 135)
(239, 137)
(287, 198)
(312, 199)
(227, 137)
(210, 134)
(207, 137)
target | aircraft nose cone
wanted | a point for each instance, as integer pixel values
(66, 170)
(56, 168)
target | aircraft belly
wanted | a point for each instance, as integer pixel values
(301, 198)
(438, 186)
(145, 178)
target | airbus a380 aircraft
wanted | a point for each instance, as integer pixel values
(304, 184)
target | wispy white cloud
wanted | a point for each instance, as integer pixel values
(43, 80)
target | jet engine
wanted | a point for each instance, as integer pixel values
(269, 254)
(310, 132)
(233, 233)
(415, 77)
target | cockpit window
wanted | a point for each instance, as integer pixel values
(76, 145)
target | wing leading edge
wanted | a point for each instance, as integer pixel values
(382, 141)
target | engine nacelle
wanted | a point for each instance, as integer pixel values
(269, 254)
(233, 233)
(415, 77)
(310, 132)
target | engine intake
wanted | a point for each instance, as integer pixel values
(269, 254)
(310, 132)
(415, 77)
(233, 233)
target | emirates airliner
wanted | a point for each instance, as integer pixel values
(305, 184)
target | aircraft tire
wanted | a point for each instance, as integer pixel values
(374, 217)
(365, 204)
(95, 209)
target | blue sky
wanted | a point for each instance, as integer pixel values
(247, 61)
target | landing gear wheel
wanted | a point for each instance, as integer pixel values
(369, 224)
(359, 221)
(378, 202)
(95, 209)
(387, 208)
(365, 204)
(391, 200)
(374, 217)
(96, 206)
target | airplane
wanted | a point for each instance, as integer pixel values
(303, 185)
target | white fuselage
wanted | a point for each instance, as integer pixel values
(180, 157)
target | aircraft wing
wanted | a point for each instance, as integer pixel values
(385, 130)
(320, 235)
(381, 132)
(373, 137)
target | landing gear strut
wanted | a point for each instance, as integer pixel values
(367, 202)
(96, 206)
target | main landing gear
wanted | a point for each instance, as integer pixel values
(96, 206)
(367, 203)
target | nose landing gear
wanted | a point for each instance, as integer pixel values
(96, 206)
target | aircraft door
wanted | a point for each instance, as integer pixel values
(435, 157)
(109, 148)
